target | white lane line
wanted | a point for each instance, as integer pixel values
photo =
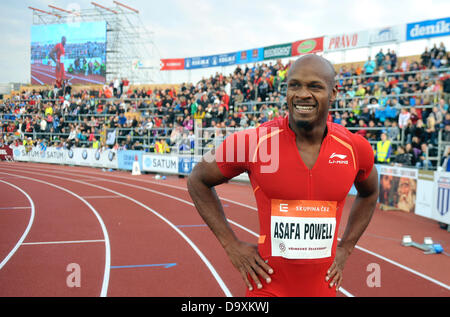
(104, 288)
(62, 242)
(190, 204)
(405, 268)
(357, 247)
(426, 277)
(13, 208)
(189, 241)
(25, 233)
(100, 197)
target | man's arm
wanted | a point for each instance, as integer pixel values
(244, 256)
(358, 220)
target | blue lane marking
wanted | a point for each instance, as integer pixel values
(187, 226)
(165, 265)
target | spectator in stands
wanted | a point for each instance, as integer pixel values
(379, 58)
(386, 64)
(403, 158)
(392, 131)
(369, 66)
(200, 113)
(374, 103)
(446, 132)
(361, 125)
(445, 161)
(423, 161)
(403, 118)
(383, 150)
(393, 59)
(413, 154)
(430, 130)
(95, 143)
(161, 147)
(425, 58)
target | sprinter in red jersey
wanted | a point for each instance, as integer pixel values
(301, 168)
(57, 55)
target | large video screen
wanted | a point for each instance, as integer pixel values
(73, 53)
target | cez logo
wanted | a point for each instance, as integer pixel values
(341, 158)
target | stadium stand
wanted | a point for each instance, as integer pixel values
(405, 97)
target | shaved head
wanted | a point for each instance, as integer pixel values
(321, 65)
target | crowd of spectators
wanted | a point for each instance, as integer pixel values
(407, 100)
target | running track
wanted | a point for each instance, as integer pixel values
(137, 236)
(44, 74)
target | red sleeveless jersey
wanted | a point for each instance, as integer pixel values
(299, 208)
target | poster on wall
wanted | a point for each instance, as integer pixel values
(398, 188)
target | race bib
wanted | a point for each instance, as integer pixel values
(61, 59)
(302, 229)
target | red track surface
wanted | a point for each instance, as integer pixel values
(137, 236)
(45, 74)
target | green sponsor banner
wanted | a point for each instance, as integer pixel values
(277, 51)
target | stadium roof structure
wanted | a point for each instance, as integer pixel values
(130, 50)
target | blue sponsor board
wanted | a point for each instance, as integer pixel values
(250, 56)
(187, 163)
(224, 59)
(427, 29)
(126, 159)
(184, 165)
(210, 61)
(197, 62)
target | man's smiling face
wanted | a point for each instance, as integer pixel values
(310, 90)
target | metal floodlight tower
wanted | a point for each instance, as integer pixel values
(130, 50)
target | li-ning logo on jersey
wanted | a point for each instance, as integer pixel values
(333, 159)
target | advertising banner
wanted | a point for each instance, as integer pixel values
(223, 59)
(307, 46)
(210, 61)
(346, 41)
(81, 156)
(37, 154)
(250, 56)
(427, 29)
(441, 204)
(388, 34)
(185, 165)
(126, 158)
(398, 187)
(197, 62)
(6, 153)
(425, 193)
(277, 51)
(172, 64)
(160, 163)
(73, 156)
